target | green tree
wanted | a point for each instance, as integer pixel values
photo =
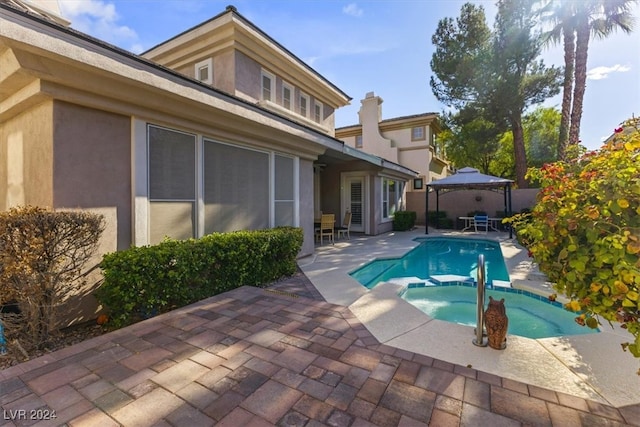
(469, 142)
(540, 139)
(496, 74)
(584, 232)
(541, 128)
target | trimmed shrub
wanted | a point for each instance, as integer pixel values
(141, 282)
(43, 254)
(442, 220)
(404, 220)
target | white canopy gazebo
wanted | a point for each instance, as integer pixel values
(469, 178)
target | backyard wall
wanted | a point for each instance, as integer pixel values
(461, 202)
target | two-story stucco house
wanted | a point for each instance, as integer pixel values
(408, 141)
(220, 128)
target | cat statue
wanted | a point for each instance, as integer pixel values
(496, 323)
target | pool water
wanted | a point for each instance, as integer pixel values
(438, 256)
(529, 315)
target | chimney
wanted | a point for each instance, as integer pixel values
(371, 109)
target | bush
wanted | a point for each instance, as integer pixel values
(584, 232)
(404, 220)
(442, 220)
(42, 258)
(144, 281)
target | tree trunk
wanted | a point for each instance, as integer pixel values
(519, 153)
(569, 66)
(582, 47)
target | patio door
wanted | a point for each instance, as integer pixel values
(354, 199)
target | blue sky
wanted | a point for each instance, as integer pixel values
(380, 46)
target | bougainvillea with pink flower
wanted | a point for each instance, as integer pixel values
(584, 232)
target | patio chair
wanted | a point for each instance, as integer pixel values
(343, 230)
(481, 221)
(327, 222)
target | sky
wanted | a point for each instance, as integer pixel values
(381, 46)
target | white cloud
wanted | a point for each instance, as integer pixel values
(99, 19)
(600, 73)
(353, 10)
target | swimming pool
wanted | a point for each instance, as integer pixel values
(530, 315)
(438, 256)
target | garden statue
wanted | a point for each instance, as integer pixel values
(496, 323)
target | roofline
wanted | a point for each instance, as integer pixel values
(232, 9)
(332, 143)
(416, 117)
(153, 65)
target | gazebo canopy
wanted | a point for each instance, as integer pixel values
(469, 178)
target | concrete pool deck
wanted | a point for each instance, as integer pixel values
(591, 366)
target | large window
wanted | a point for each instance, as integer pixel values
(236, 188)
(172, 185)
(391, 197)
(284, 201)
(197, 186)
(358, 141)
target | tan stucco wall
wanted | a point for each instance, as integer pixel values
(247, 74)
(26, 158)
(460, 203)
(224, 71)
(92, 164)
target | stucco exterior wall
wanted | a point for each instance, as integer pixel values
(26, 162)
(224, 71)
(92, 164)
(247, 75)
(460, 203)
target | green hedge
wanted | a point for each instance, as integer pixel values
(141, 282)
(442, 220)
(404, 220)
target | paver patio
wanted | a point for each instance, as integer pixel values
(278, 356)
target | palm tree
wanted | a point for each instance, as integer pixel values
(561, 16)
(575, 21)
(599, 18)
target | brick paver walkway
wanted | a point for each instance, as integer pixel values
(261, 357)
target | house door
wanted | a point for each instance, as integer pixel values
(354, 198)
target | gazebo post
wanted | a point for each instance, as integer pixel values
(437, 209)
(509, 208)
(426, 211)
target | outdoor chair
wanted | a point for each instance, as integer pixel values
(343, 230)
(480, 222)
(327, 222)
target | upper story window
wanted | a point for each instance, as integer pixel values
(268, 86)
(204, 71)
(417, 133)
(317, 112)
(358, 141)
(287, 96)
(304, 105)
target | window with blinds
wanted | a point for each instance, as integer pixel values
(172, 185)
(236, 188)
(284, 201)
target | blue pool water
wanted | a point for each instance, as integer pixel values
(438, 256)
(529, 315)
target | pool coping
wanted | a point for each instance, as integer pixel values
(591, 366)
